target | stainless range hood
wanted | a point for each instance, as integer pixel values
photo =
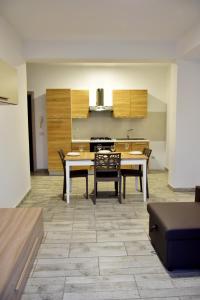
(100, 102)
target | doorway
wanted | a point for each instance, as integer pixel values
(31, 131)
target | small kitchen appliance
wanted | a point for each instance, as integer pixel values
(101, 143)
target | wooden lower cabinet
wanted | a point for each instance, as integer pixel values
(59, 126)
(130, 146)
(139, 146)
(59, 137)
(81, 147)
(123, 147)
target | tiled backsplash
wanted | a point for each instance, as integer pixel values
(104, 124)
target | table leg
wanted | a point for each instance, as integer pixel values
(136, 183)
(67, 181)
(145, 181)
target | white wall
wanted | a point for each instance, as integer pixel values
(153, 77)
(171, 119)
(99, 51)
(184, 157)
(10, 46)
(14, 157)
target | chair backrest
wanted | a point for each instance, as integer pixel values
(147, 152)
(62, 156)
(107, 162)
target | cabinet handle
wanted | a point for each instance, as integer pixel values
(154, 227)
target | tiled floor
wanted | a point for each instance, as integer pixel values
(102, 252)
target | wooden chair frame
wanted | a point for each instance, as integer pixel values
(73, 174)
(107, 167)
(136, 173)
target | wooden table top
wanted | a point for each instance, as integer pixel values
(90, 156)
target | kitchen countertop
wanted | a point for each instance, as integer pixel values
(81, 141)
(132, 140)
(112, 140)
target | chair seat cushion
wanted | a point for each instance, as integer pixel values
(106, 174)
(79, 173)
(131, 172)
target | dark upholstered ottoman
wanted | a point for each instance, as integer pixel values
(174, 230)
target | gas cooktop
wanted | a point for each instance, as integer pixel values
(100, 138)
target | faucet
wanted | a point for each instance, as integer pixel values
(128, 131)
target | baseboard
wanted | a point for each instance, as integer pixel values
(181, 189)
(156, 171)
(23, 199)
(40, 172)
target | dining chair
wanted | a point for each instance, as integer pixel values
(136, 173)
(73, 173)
(107, 168)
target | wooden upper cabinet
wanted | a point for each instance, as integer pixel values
(130, 103)
(138, 103)
(121, 103)
(58, 103)
(80, 103)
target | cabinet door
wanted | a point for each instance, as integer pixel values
(80, 103)
(123, 147)
(138, 105)
(59, 137)
(121, 103)
(81, 147)
(58, 103)
(139, 146)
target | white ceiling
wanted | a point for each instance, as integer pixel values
(130, 20)
(105, 30)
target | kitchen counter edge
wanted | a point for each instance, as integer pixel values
(112, 140)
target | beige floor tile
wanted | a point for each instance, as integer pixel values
(102, 251)
(139, 248)
(66, 267)
(97, 249)
(43, 296)
(121, 235)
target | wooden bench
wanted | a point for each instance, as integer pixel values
(21, 232)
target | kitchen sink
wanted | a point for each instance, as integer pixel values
(126, 139)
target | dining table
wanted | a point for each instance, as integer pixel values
(87, 159)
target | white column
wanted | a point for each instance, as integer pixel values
(184, 124)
